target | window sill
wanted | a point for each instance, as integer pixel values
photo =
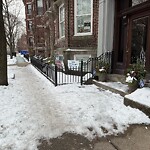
(82, 34)
(62, 37)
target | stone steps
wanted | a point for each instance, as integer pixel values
(120, 79)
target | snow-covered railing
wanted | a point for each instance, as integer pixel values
(59, 76)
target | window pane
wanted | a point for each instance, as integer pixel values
(39, 3)
(62, 29)
(86, 6)
(83, 7)
(84, 24)
(30, 25)
(139, 38)
(136, 2)
(30, 41)
(62, 14)
(39, 7)
(29, 9)
(62, 21)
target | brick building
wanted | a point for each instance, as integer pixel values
(34, 10)
(22, 43)
(124, 28)
(79, 29)
(66, 28)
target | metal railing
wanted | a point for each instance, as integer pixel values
(61, 75)
(57, 75)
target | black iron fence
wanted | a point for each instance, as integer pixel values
(59, 75)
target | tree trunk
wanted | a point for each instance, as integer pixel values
(3, 51)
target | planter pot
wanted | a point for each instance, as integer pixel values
(132, 86)
(102, 77)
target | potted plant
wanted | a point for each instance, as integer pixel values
(102, 74)
(135, 76)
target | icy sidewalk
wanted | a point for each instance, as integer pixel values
(21, 62)
(32, 108)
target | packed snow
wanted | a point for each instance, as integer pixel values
(11, 61)
(117, 85)
(33, 108)
(141, 96)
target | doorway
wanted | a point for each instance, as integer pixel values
(131, 34)
(139, 44)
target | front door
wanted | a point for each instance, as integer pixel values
(132, 34)
(139, 34)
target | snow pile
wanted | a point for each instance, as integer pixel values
(11, 61)
(32, 108)
(141, 96)
(117, 85)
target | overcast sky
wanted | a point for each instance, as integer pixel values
(17, 6)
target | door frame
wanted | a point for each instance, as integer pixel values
(129, 13)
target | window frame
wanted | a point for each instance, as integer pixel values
(60, 22)
(75, 20)
(29, 11)
(30, 24)
(30, 41)
(39, 9)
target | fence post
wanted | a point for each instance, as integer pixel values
(47, 70)
(92, 68)
(55, 75)
(112, 61)
(81, 72)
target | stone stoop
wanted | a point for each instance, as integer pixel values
(116, 78)
(128, 102)
(147, 84)
(101, 85)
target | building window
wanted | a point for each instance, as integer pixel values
(47, 4)
(136, 2)
(30, 25)
(83, 17)
(29, 9)
(39, 7)
(62, 21)
(30, 41)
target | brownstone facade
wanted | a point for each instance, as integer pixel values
(72, 44)
(22, 43)
(34, 28)
(68, 45)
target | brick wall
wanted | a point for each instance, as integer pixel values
(71, 41)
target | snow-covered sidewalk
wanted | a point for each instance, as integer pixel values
(32, 108)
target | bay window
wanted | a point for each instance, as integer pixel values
(83, 17)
